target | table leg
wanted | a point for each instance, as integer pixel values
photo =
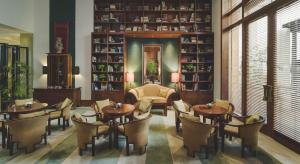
(115, 126)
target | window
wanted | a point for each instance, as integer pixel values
(287, 72)
(235, 69)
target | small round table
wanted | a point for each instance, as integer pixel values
(15, 111)
(114, 113)
(209, 112)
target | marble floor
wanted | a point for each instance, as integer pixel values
(165, 146)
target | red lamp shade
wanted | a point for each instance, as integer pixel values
(130, 77)
(174, 77)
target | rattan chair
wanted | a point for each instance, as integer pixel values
(63, 111)
(88, 132)
(197, 134)
(27, 132)
(248, 132)
(136, 133)
(187, 110)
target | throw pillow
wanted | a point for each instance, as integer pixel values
(252, 119)
(66, 102)
(163, 92)
(101, 104)
(144, 105)
(222, 103)
(179, 105)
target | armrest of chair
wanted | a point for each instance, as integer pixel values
(130, 98)
(172, 96)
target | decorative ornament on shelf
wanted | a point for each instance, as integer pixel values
(59, 45)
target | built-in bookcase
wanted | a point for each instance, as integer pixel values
(114, 19)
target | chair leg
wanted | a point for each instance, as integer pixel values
(110, 139)
(223, 140)
(165, 110)
(216, 142)
(58, 121)
(68, 123)
(11, 148)
(45, 138)
(177, 124)
(3, 137)
(127, 146)
(80, 151)
(242, 149)
(93, 146)
(64, 123)
(49, 127)
(206, 152)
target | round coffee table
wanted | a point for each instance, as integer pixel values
(113, 113)
(15, 111)
(214, 111)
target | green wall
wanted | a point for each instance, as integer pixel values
(63, 11)
(169, 58)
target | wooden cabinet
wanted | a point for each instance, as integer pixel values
(53, 96)
(59, 70)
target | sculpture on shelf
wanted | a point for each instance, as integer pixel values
(59, 45)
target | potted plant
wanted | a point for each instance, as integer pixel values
(152, 70)
(190, 67)
(101, 67)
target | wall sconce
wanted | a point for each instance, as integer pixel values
(45, 70)
(77, 70)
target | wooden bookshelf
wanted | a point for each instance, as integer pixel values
(189, 20)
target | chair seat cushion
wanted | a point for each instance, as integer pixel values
(231, 129)
(33, 114)
(141, 116)
(236, 121)
(179, 105)
(144, 105)
(155, 99)
(55, 114)
(252, 119)
(103, 129)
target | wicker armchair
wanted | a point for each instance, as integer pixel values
(227, 105)
(247, 131)
(186, 109)
(88, 132)
(63, 111)
(136, 133)
(27, 132)
(196, 134)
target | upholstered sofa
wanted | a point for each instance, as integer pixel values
(161, 96)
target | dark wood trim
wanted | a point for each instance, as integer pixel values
(244, 68)
(221, 51)
(226, 29)
(293, 145)
(232, 10)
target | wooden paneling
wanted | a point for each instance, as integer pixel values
(53, 96)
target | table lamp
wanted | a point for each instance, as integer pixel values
(175, 79)
(130, 78)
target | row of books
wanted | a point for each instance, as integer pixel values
(106, 87)
(196, 87)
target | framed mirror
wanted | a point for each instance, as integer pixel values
(152, 64)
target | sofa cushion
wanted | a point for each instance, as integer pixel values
(191, 117)
(140, 92)
(163, 92)
(151, 89)
(155, 99)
